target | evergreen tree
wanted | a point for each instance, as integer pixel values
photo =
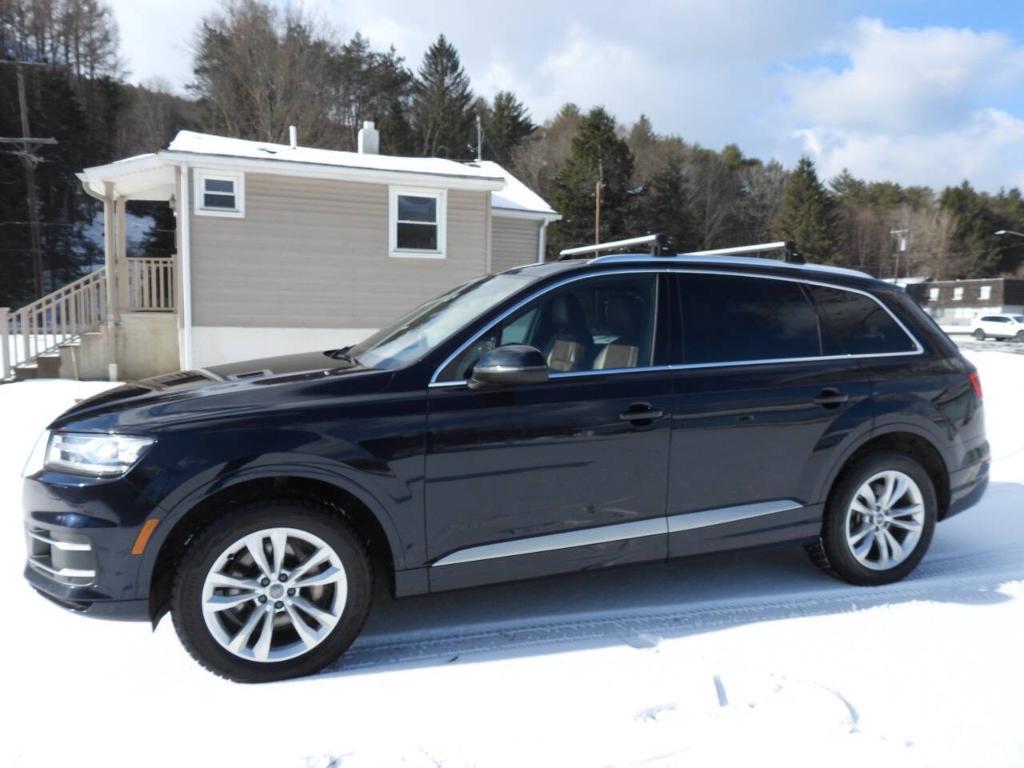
(598, 154)
(664, 208)
(442, 106)
(507, 125)
(808, 216)
(848, 188)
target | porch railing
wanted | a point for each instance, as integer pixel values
(151, 284)
(45, 324)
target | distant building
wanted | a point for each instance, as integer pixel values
(959, 302)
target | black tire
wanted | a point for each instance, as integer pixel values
(979, 335)
(832, 552)
(1019, 336)
(205, 549)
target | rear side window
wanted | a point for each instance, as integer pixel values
(729, 319)
(856, 324)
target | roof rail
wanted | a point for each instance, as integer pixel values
(788, 248)
(656, 243)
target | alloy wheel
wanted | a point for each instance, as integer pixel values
(274, 594)
(884, 520)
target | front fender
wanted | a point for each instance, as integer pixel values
(183, 500)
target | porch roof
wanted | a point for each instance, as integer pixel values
(143, 177)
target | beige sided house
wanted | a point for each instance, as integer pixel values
(280, 248)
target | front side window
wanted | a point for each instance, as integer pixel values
(596, 324)
(219, 194)
(856, 324)
(731, 319)
(417, 221)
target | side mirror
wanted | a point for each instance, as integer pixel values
(509, 366)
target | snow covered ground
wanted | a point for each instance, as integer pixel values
(752, 657)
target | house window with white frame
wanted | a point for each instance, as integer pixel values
(417, 223)
(985, 292)
(958, 294)
(219, 194)
(933, 294)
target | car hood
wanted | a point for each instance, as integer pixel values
(234, 385)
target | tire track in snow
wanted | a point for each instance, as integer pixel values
(966, 578)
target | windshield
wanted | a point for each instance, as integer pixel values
(429, 325)
(1019, 318)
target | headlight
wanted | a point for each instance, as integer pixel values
(97, 455)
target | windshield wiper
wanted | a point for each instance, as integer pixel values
(342, 354)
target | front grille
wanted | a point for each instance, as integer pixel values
(64, 557)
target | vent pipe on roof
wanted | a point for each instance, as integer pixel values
(369, 139)
(293, 136)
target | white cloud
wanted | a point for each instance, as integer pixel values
(987, 151)
(915, 105)
(918, 105)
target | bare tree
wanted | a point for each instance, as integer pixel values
(257, 71)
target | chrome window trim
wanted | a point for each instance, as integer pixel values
(604, 534)
(918, 348)
(689, 521)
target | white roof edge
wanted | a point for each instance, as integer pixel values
(123, 167)
(344, 173)
(515, 196)
(519, 213)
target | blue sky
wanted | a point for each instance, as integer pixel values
(919, 92)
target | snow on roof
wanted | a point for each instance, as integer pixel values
(515, 196)
(208, 144)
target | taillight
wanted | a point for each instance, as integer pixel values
(976, 383)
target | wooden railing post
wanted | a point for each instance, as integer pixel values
(5, 343)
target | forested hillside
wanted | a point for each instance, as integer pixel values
(258, 70)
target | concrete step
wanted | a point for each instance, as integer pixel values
(43, 367)
(26, 372)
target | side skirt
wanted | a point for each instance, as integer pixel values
(735, 527)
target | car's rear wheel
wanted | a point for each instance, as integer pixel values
(979, 334)
(272, 590)
(878, 521)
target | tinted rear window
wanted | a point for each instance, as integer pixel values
(730, 319)
(856, 324)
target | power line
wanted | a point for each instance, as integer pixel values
(26, 152)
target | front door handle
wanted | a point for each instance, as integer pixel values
(639, 412)
(830, 397)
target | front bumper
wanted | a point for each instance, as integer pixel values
(79, 537)
(86, 601)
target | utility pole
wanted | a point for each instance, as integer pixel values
(901, 247)
(597, 202)
(479, 138)
(25, 147)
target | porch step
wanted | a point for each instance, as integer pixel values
(82, 357)
(43, 367)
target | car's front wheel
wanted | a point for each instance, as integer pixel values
(878, 521)
(272, 590)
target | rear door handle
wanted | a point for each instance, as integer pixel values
(830, 397)
(641, 412)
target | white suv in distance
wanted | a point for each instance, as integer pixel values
(999, 327)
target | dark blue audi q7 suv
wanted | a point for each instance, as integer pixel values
(550, 418)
